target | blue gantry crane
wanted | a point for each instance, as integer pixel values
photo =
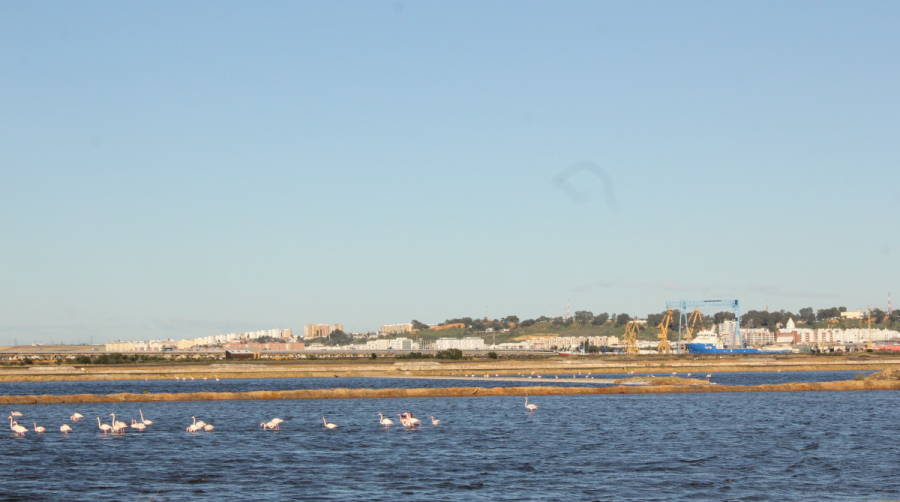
(686, 306)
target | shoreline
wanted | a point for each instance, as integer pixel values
(343, 393)
(437, 369)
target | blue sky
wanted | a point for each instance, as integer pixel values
(176, 169)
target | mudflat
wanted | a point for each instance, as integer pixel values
(385, 368)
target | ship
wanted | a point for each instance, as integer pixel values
(711, 344)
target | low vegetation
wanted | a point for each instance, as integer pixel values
(668, 388)
(890, 374)
(116, 358)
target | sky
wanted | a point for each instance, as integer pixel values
(180, 169)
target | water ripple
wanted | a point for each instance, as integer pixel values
(795, 446)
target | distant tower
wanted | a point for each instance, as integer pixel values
(890, 308)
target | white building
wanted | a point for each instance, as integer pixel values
(391, 344)
(510, 346)
(467, 343)
(140, 346)
(758, 337)
(378, 344)
(808, 336)
(567, 343)
(403, 344)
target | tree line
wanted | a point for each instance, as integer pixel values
(750, 319)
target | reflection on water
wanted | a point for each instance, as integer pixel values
(741, 446)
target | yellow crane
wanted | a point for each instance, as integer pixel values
(663, 335)
(631, 331)
(695, 321)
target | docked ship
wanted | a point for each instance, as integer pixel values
(709, 343)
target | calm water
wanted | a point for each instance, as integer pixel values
(248, 384)
(742, 446)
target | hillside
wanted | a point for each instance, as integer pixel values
(537, 330)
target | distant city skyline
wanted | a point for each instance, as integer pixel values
(183, 170)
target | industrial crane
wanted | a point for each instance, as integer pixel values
(663, 326)
(631, 330)
(683, 307)
(694, 321)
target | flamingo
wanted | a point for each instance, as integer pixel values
(434, 421)
(15, 413)
(137, 425)
(274, 424)
(530, 407)
(103, 427)
(76, 417)
(65, 428)
(209, 428)
(40, 429)
(408, 420)
(15, 427)
(384, 421)
(328, 425)
(118, 425)
(193, 427)
(144, 420)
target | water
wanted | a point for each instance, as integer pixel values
(741, 378)
(740, 446)
(251, 384)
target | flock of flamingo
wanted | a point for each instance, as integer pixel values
(118, 427)
(115, 426)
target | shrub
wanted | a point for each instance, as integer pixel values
(492, 355)
(450, 354)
